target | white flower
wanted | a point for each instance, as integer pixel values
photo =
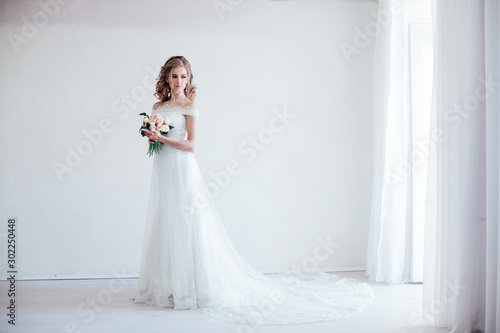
(152, 127)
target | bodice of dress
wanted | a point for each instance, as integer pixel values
(177, 119)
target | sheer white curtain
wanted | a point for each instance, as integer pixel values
(461, 250)
(388, 251)
(492, 269)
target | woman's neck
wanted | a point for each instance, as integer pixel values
(178, 98)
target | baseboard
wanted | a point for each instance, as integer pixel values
(134, 275)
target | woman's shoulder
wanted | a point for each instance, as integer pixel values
(157, 105)
(190, 109)
(190, 105)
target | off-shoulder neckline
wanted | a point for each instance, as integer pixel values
(168, 106)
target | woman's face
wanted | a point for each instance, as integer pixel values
(178, 79)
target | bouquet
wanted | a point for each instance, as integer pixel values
(157, 124)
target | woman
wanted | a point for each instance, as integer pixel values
(188, 260)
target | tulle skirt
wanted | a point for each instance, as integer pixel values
(189, 262)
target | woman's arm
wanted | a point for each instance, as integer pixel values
(186, 145)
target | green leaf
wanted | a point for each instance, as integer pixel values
(142, 132)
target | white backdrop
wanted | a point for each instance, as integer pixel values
(76, 74)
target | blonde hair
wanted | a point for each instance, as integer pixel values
(163, 88)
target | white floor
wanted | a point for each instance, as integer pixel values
(103, 305)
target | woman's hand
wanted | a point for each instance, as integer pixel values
(153, 136)
(185, 145)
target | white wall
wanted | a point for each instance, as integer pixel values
(75, 73)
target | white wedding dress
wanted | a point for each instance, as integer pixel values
(189, 262)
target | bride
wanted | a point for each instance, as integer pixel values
(188, 260)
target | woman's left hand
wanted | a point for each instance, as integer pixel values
(152, 135)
